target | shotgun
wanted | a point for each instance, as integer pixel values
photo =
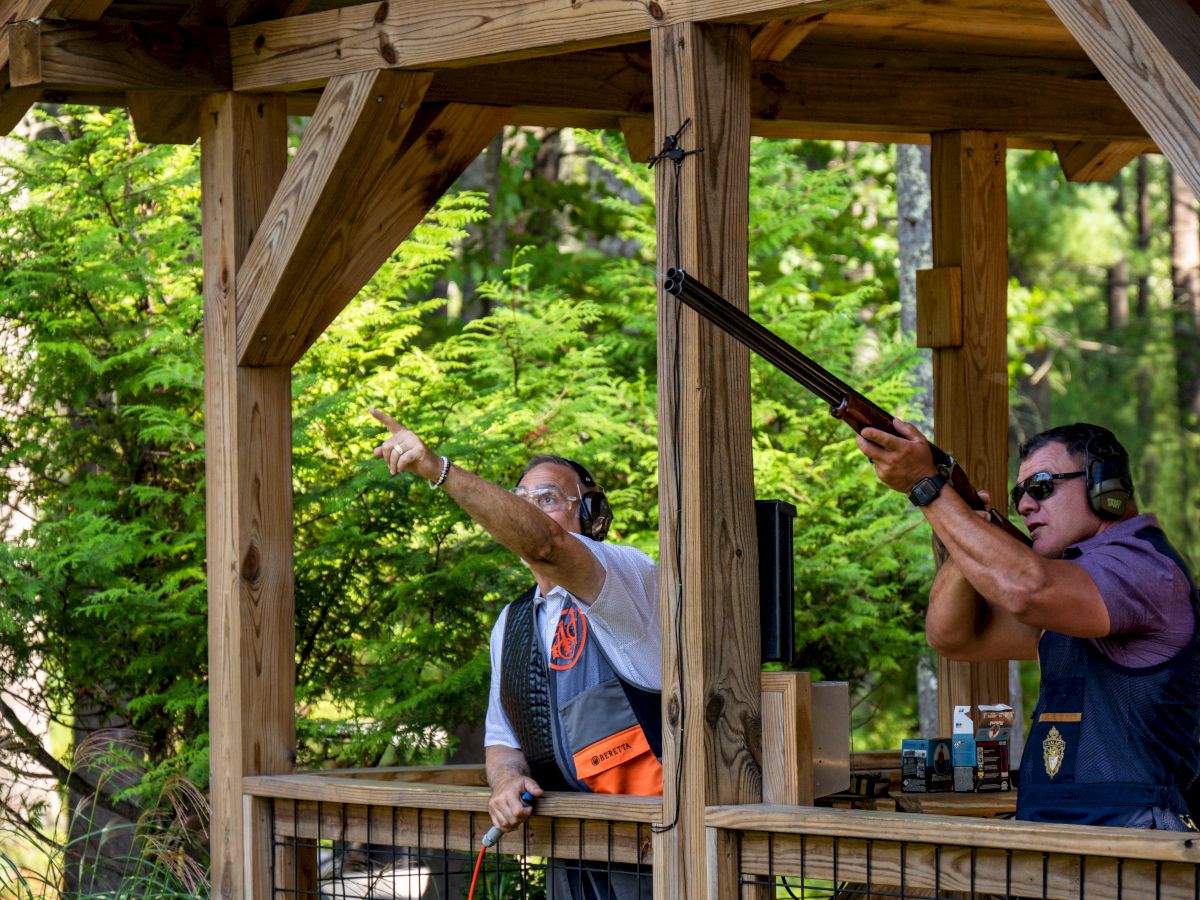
(845, 403)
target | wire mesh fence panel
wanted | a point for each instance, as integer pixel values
(335, 850)
(818, 867)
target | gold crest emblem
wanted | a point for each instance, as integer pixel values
(1054, 748)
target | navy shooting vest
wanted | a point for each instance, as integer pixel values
(1109, 743)
(580, 725)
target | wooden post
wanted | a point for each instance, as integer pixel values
(249, 498)
(970, 382)
(712, 740)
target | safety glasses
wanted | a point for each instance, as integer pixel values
(548, 499)
(1039, 485)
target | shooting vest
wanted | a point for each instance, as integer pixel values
(1108, 743)
(581, 726)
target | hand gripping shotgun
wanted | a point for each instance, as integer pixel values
(845, 403)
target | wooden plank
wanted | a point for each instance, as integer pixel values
(249, 501)
(73, 56)
(361, 182)
(939, 307)
(363, 791)
(999, 834)
(165, 118)
(711, 744)
(1090, 161)
(302, 51)
(970, 232)
(876, 869)
(1149, 51)
(787, 738)
(776, 40)
(472, 775)
(981, 804)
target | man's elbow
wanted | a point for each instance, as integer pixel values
(547, 548)
(950, 643)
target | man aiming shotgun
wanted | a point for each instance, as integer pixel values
(1095, 592)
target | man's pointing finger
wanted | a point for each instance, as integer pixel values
(391, 424)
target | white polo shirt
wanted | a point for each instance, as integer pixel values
(624, 616)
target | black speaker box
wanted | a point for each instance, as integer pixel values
(776, 579)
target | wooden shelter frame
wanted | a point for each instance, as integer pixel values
(403, 95)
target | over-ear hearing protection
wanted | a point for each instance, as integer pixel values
(595, 515)
(1109, 484)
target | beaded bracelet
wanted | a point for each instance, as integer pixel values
(445, 471)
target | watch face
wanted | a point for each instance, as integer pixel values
(924, 491)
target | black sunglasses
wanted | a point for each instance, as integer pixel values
(1039, 485)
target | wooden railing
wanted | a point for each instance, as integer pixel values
(880, 854)
(418, 810)
(830, 852)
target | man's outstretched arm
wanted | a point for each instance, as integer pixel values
(549, 549)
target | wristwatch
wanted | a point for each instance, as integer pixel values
(926, 490)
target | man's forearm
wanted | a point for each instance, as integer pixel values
(1000, 568)
(503, 764)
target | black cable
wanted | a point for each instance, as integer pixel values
(672, 151)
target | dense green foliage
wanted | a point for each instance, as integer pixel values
(101, 446)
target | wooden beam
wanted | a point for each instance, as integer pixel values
(85, 10)
(24, 54)
(939, 307)
(371, 164)
(248, 473)
(709, 577)
(616, 84)
(970, 382)
(303, 51)
(80, 56)
(165, 118)
(1087, 161)
(1149, 51)
(776, 40)
(1044, 106)
(14, 104)
(639, 137)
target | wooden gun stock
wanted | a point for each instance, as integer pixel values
(845, 403)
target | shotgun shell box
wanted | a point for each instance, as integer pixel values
(926, 766)
(963, 752)
(991, 766)
(995, 723)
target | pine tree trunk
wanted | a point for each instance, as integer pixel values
(914, 236)
(1118, 273)
(1185, 319)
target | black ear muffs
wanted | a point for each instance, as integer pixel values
(1109, 484)
(595, 515)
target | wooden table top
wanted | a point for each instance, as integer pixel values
(989, 804)
(985, 804)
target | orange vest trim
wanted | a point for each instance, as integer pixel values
(622, 763)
